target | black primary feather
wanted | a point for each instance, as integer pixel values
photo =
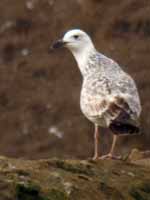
(123, 124)
(124, 128)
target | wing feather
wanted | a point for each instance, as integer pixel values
(111, 109)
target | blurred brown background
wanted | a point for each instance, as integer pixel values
(39, 92)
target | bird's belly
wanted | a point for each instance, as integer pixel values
(91, 112)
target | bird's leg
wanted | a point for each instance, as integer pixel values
(113, 145)
(110, 154)
(96, 143)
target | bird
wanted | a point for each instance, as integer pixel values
(109, 97)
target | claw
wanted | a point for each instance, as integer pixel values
(110, 156)
(95, 158)
(107, 156)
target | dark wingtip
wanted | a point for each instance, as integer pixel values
(124, 128)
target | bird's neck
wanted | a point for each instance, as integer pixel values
(82, 57)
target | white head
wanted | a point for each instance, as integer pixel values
(75, 40)
(79, 43)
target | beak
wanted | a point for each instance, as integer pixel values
(58, 44)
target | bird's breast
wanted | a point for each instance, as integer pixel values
(92, 105)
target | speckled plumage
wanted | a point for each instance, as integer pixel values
(103, 83)
(109, 97)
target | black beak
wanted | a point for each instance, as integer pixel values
(56, 45)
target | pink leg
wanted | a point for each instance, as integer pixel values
(113, 144)
(96, 143)
(110, 154)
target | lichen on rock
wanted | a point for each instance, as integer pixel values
(57, 179)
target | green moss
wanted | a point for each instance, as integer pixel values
(146, 187)
(141, 191)
(28, 192)
(77, 169)
(57, 195)
(138, 195)
(22, 172)
(110, 192)
(32, 192)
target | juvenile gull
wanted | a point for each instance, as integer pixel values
(109, 97)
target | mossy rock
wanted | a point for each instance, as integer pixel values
(56, 179)
(28, 192)
(141, 191)
(57, 195)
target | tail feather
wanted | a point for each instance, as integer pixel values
(124, 128)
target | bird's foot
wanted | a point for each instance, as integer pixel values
(95, 157)
(107, 156)
(110, 156)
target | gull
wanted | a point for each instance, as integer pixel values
(109, 96)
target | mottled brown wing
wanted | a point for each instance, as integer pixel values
(121, 121)
(116, 108)
(119, 110)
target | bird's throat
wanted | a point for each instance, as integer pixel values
(82, 58)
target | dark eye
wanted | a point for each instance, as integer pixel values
(76, 36)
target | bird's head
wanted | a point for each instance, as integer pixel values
(75, 40)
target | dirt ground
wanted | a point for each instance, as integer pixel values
(40, 115)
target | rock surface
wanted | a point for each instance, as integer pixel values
(56, 179)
